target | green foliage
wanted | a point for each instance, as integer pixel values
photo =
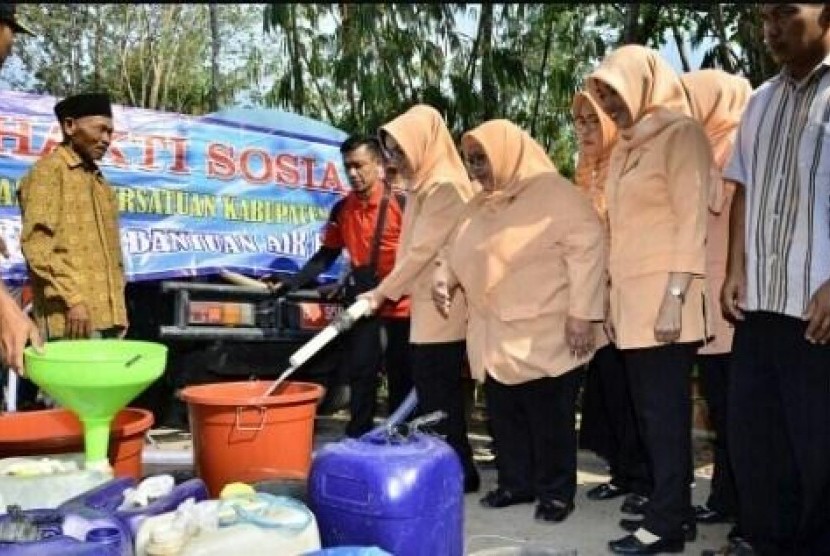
(358, 65)
(153, 56)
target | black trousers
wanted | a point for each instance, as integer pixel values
(779, 430)
(608, 406)
(437, 374)
(714, 375)
(660, 383)
(365, 356)
(534, 430)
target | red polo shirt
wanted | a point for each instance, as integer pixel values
(353, 229)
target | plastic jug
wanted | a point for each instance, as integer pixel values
(400, 492)
(57, 533)
(109, 499)
(350, 551)
(46, 481)
(260, 524)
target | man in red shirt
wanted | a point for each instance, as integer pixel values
(353, 225)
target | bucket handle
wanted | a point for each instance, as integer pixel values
(241, 427)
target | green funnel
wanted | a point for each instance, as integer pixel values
(95, 379)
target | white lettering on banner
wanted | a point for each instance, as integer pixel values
(137, 241)
(295, 243)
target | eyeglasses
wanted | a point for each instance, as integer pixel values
(581, 123)
(394, 155)
(475, 161)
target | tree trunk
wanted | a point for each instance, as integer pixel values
(314, 80)
(545, 55)
(213, 94)
(298, 100)
(471, 63)
(630, 31)
(96, 49)
(74, 51)
(489, 91)
(723, 43)
(679, 42)
(651, 19)
(125, 60)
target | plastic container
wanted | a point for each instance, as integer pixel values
(58, 431)
(524, 549)
(58, 546)
(60, 533)
(404, 496)
(254, 525)
(109, 497)
(47, 490)
(350, 551)
(240, 436)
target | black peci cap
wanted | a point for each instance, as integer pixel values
(85, 104)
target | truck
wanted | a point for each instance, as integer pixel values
(242, 190)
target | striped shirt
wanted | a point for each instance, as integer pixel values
(782, 157)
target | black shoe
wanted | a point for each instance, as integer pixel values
(472, 482)
(704, 514)
(734, 548)
(734, 533)
(555, 511)
(634, 504)
(738, 545)
(632, 545)
(606, 491)
(501, 498)
(689, 529)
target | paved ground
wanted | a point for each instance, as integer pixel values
(587, 530)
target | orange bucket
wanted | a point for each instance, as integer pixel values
(58, 431)
(240, 436)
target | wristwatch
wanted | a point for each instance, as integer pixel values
(677, 291)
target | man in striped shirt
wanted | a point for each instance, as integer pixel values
(778, 290)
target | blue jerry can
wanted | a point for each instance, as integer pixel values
(59, 533)
(402, 494)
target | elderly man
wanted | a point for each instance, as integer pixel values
(70, 236)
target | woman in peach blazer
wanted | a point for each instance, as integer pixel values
(529, 257)
(717, 100)
(608, 424)
(420, 146)
(657, 192)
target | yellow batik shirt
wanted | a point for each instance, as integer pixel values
(71, 242)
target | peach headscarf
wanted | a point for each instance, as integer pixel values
(591, 171)
(648, 85)
(717, 100)
(517, 161)
(515, 158)
(428, 146)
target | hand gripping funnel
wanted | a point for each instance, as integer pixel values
(94, 379)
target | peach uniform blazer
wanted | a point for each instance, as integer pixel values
(657, 193)
(717, 100)
(436, 197)
(527, 256)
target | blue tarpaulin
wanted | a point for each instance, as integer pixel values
(241, 189)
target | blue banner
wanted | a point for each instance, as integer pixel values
(246, 190)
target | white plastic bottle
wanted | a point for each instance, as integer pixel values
(260, 525)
